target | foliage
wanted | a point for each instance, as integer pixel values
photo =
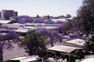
(5, 38)
(89, 46)
(38, 20)
(86, 15)
(52, 36)
(86, 18)
(64, 27)
(34, 42)
(5, 41)
(24, 19)
(68, 16)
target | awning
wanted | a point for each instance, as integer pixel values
(63, 48)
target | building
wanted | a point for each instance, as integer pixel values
(13, 52)
(30, 26)
(6, 14)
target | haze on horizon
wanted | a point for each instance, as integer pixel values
(42, 7)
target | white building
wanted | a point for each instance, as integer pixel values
(13, 52)
(30, 26)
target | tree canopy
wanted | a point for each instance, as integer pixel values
(86, 18)
(34, 42)
(86, 15)
(5, 41)
(53, 36)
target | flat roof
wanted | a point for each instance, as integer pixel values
(77, 41)
(63, 20)
(22, 30)
(4, 21)
(63, 48)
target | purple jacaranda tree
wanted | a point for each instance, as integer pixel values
(75, 33)
(6, 40)
(43, 20)
(52, 36)
(71, 29)
(24, 19)
(65, 26)
(39, 20)
(11, 35)
(76, 29)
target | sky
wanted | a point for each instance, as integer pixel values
(42, 7)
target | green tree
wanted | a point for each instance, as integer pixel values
(68, 16)
(34, 42)
(86, 18)
(38, 16)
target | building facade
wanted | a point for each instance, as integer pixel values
(6, 14)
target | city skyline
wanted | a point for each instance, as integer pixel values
(41, 7)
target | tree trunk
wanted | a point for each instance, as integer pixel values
(1, 54)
